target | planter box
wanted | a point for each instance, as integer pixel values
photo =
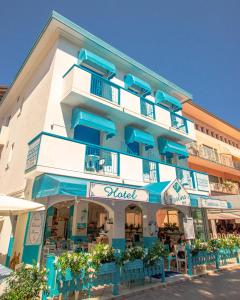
(132, 271)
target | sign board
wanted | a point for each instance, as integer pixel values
(188, 228)
(35, 228)
(176, 195)
(213, 203)
(98, 190)
(202, 182)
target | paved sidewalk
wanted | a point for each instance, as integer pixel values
(216, 286)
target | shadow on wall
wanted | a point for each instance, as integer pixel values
(3, 258)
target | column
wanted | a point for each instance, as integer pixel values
(80, 222)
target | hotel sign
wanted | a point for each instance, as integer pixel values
(176, 195)
(213, 203)
(108, 191)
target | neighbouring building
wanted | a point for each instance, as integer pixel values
(100, 140)
(216, 151)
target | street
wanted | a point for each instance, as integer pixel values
(223, 285)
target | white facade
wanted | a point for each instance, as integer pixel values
(41, 99)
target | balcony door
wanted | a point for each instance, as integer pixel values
(87, 135)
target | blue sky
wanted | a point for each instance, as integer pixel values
(195, 44)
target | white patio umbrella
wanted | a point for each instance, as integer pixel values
(14, 206)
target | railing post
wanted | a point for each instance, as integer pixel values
(163, 271)
(217, 259)
(237, 256)
(51, 276)
(189, 260)
(116, 281)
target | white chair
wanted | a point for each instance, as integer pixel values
(181, 260)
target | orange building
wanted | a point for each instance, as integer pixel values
(216, 152)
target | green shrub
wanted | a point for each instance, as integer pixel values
(131, 254)
(155, 252)
(26, 283)
(102, 254)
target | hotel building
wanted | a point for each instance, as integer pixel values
(100, 140)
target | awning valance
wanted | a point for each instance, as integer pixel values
(15, 206)
(51, 185)
(96, 63)
(136, 135)
(137, 85)
(161, 97)
(155, 190)
(82, 117)
(168, 148)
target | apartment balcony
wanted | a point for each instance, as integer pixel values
(3, 135)
(227, 188)
(53, 154)
(83, 88)
(212, 160)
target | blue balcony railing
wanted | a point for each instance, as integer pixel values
(150, 171)
(105, 89)
(101, 161)
(147, 108)
(179, 122)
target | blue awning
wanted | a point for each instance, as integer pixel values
(137, 85)
(168, 148)
(96, 63)
(161, 97)
(155, 190)
(136, 135)
(51, 185)
(82, 117)
(194, 200)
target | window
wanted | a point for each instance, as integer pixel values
(207, 131)
(202, 129)
(8, 121)
(221, 138)
(87, 134)
(212, 133)
(196, 127)
(217, 136)
(213, 179)
(10, 155)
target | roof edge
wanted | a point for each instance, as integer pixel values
(212, 115)
(87, 34)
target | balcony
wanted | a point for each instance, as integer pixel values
(227, 188)
(223, 160)
(81, 87)
(3, 135)
(54, 154)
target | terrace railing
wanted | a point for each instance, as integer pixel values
(105, 89)
(109, 274)
(179, 122)
(100, 161)
(147, 108)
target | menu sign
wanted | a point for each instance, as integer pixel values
(35, 228)
(188, 226)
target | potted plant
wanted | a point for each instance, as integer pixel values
(131, 261)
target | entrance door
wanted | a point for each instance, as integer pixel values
(133, 226)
